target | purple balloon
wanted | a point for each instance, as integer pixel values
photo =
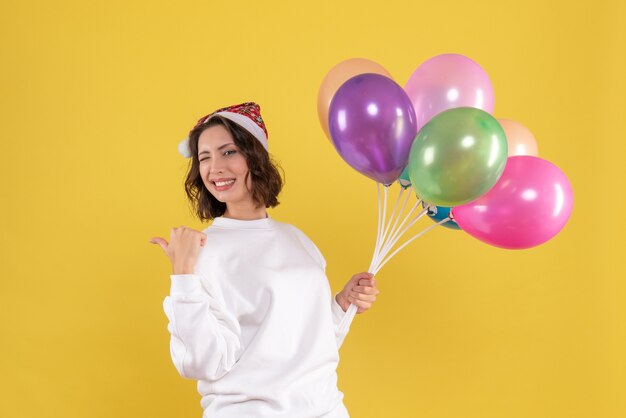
(372, 125)
(447, 81)
(530, 204)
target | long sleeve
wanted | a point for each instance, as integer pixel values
(205, 339)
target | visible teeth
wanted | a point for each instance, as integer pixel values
(224, 183)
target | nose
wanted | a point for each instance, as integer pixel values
(216, 166)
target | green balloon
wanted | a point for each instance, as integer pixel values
(457, 156)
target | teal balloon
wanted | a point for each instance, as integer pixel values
(458, 156)
(439, 213)
(404, 179)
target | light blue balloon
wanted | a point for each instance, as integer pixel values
(439, 213)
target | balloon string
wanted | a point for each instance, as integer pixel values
(378, 229)
(381, 225)
(387, 228)
(393, 227)
(443, 221)
(347, 318)
(352, 309)
(397, 234)
(386, 190)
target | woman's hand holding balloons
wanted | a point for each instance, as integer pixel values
(183, 248)
(360, 290)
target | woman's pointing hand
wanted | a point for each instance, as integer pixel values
(183, 248)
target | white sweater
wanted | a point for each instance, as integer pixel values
(257, 324)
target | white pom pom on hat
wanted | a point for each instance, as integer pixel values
(247, 115)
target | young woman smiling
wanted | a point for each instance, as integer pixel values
(251, 314)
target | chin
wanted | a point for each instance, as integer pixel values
(232, 196)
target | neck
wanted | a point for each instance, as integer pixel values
(245, 211)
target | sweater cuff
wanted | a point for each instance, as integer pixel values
(338, 313)
(184, 283)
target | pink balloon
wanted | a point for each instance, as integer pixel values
(447, 81)
(530, 204)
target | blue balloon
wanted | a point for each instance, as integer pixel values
(439, 213)
(404, 179)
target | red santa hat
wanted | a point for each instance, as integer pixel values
(247, 115)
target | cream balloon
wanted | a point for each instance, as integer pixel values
(335, 78)
(519, 138)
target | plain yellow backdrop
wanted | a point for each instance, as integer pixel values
(95, 97)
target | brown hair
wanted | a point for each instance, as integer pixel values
(266, 180)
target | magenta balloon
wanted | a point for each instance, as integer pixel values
(447, 81)
(372, 125)
(530, 204)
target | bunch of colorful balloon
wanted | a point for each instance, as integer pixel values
(469, 170)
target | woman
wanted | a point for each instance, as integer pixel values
(250, 310)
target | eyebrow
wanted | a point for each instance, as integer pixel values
(208, 152)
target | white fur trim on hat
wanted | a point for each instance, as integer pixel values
(183, 148)
(241, 120)
(246, 123)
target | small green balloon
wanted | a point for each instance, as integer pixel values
(457, 156)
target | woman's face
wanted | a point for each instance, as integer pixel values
(223, 167)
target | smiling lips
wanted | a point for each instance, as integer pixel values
(223, 184)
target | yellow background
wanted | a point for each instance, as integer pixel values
(95, 97)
